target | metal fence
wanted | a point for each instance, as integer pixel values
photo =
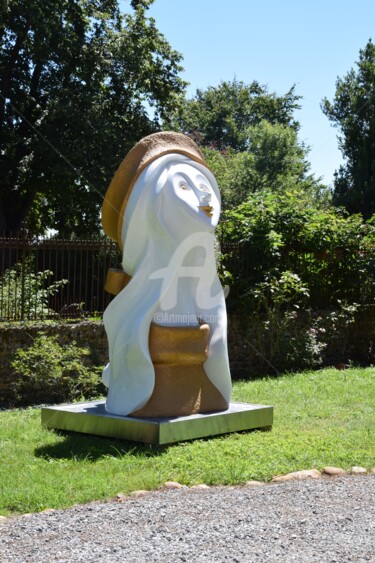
(50, 278)
(329, 275)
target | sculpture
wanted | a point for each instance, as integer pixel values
(167, 327)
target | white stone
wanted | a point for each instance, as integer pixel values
(200, 486)
(254, 483)
(333, 471)
(356, 470)
(139, 493)
(174, 485)
(297, 475)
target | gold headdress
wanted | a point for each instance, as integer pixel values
(116, 198)
(145, 151)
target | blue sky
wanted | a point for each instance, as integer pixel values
(278, 43)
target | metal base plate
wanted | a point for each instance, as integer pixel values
(92, 418)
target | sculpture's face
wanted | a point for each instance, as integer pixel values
(173, 194)
(193, 195)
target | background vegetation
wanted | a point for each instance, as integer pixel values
(353, 113)
(81, 83)
(76, 79)
(53, 372)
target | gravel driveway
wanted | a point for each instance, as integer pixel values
(325, 520)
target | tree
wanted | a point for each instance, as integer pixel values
(275, 161)
(353, 113)
(249, 138)
(77, 78)
(220, 116)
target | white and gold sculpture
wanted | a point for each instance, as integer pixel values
(167, 325)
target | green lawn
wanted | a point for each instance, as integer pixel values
(322, 418)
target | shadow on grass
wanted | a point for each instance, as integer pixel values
(84, 447)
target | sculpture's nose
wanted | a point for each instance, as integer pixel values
(205, 198)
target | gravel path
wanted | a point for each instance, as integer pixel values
(325, 520)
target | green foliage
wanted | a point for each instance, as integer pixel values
(288, 256)
(294, 220)
(334, 327)
(274, 160)
(284, 338)
(281, 291)
(50, 372)
(24, 294)
(77, 79)
(289, 231)
(287, 337)
(220, 116)
(249, 139)
(353, 113)
(321, 418)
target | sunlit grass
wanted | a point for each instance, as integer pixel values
(321, 418)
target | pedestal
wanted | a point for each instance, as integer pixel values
(91, 418)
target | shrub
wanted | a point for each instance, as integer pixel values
(273, 233)
(49, 372)
(25, 294)
(299, 270)
(285, 332)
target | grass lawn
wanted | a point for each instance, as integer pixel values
(322, 418)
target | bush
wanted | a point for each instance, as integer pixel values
(49, 372)
(24, 294)
(298, 270)
(278, 341)
(272, 234)
(285, 332)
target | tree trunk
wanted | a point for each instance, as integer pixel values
(2, 219)
(13, 212)
(8, 71)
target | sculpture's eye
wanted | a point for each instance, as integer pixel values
(184, 187)
(204, 188)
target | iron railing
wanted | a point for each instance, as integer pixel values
(50, 278)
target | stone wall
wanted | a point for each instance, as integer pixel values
(338, 342)
(249, 357)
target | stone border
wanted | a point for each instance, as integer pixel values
(303, 475)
